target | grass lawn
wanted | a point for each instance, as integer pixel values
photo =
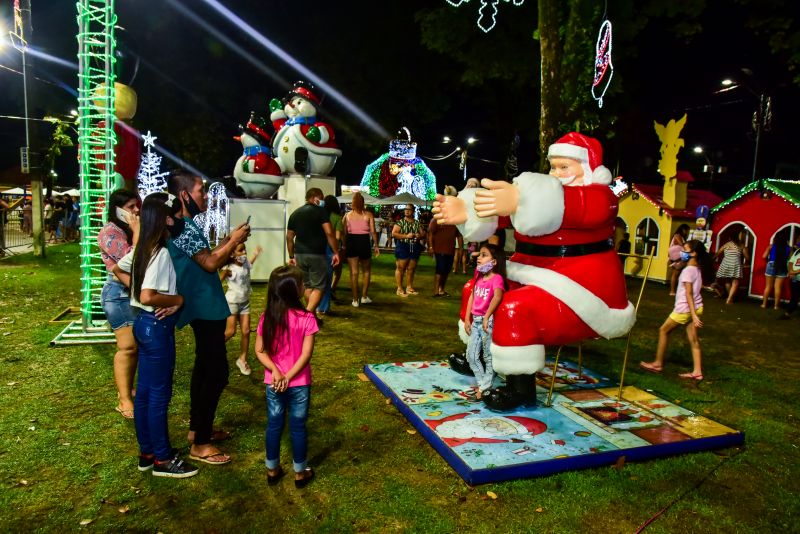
(67, 457)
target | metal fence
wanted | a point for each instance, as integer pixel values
(15, 230)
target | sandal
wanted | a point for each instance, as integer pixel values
(650, 368)
(127, 414)
(209, 458)
(308, 476)
(274, 479)
(411, 291)
(692, 376)
(401, 293)
(244, 368)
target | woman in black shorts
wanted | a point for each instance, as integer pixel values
(359, 227)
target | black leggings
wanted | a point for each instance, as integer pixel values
(209, 376)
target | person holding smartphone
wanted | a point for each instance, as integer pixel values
(115, 240)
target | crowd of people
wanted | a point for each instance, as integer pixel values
(163, 274)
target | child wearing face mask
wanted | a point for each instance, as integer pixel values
(687, 311)
(237, 272)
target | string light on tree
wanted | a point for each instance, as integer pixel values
(487, 13)
(216, 216)
(602, 62)
(149, 177)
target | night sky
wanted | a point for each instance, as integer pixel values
(194, 90)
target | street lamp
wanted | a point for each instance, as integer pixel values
(710, 168)
(762, 116)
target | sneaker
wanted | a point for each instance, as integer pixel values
(243, 367)
(366, 300)
(354, 304)
(175, 468)
(146, 462)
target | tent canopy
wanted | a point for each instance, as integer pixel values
(368, 199)
(403, 198)
(14, 191)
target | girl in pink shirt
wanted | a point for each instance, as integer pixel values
(284, 343)
(483, 301)
(687, 311)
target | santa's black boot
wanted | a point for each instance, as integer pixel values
(458, 363)
(301, 161)
(520, 390)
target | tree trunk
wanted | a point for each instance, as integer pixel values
(550, 50)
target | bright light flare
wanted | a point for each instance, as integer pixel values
(52, 59)
(243, 27)
(471, 140)
(446, 139)
(698, 149)
(727, 82)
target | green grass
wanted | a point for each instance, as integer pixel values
(67, 456)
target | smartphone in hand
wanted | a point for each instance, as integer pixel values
(247, 222)
(122, 215)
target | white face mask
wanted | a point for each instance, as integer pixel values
(242, 258)
(566, 180)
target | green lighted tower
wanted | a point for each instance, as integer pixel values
(96, 20)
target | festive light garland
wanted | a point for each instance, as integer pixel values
(96, 140)
(602, 61)
(149, 179)
(767, 184)
(216, 216)
(483, 15)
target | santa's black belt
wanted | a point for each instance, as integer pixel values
(556, 251)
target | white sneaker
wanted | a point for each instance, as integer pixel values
(243, 367)
(355, 304)
(366, 300)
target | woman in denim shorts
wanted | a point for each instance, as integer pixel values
(408, 237)
(777, 256)
(116, 239)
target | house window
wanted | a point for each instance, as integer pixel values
(647, 237)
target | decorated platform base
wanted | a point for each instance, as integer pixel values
(585, 427)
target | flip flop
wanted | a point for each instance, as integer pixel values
(207, 459)
(692, 376)
(650, 368)
(127, 414)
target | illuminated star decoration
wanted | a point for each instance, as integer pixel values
(487, 12)
(149, 140)
(602, 62)
(149, 178)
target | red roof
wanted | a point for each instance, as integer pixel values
(694, 199)
(684, 176)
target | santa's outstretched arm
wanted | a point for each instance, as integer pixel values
(475, 228)
(541, 204)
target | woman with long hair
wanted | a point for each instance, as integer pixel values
(675, 249)
(730, 269)
(359, 227)
(777, 256)
(116, 239)
(408, 234)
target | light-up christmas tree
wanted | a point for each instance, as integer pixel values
(149, 177)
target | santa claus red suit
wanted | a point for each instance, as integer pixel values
(565, 279)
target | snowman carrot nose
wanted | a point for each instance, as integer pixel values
(237, 137)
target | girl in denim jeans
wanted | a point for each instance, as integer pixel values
(149, 272)
(284, 343)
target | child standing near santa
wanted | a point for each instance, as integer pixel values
(487, 293)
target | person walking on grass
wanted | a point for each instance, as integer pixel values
(359, 230)
(149, 271)
(408, 235)
(334, 272)
(729, 274)
(487, 293)
(308, 231)
(237, 272)
(793, 267)
(776, 254)
(687, 311)
(284, 344)
(205, 309)
(443, 242)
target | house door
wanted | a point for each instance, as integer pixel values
(748, 239)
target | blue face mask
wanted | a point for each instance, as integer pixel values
(321, 204)
(686, 256)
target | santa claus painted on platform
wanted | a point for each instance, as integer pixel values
(565, 281)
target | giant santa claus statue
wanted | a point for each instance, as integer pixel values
(565, 280)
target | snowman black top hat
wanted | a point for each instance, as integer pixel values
(256, 127)
(306, 90)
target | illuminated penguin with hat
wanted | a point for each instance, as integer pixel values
(256, 172)
(565, 280)
(302, 144)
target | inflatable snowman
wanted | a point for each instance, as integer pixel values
(256, 172)
(565, 280)
(302, 144)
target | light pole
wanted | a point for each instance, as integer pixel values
(462, 152)
(761, 117)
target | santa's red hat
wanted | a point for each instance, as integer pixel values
(587, 151)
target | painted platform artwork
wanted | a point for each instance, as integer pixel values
(585, 427)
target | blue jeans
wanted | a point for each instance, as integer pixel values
(116, 301)
(480, 340)
(296, 399)
(325, 303)
(156, 343)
